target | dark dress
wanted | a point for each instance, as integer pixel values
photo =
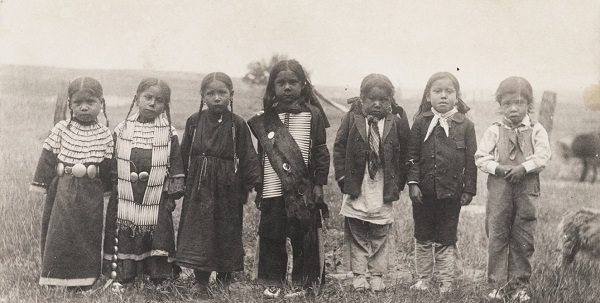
(147, 252)
(72, 219)
(210, 228)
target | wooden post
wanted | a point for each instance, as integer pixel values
(60, 111)
(546, 116)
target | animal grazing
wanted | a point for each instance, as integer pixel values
(585, 147)
(580, 238)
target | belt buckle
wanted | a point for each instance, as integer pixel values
(79, 170)
(92, 171)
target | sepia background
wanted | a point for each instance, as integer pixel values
(554, 44)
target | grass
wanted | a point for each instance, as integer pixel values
(25, 119)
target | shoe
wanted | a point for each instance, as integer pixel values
(272, 292)
(445, 287)
(199, 289)
(295, 292)
(497, 294)
(522, 295)
(377, 284)
(421, 285)
(360, 283)
(116, 287)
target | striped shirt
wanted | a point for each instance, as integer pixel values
(298, 126)
(80, 143)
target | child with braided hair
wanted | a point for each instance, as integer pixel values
(221, 167)
(73, 172)
(149, 172)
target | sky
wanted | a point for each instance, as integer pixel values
(554, 44)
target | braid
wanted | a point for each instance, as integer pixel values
(104, 111)
(201, 105)
(70, 113)
(231, 104)
(168, 112)
(130, 107)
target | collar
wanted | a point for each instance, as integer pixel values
(458, 117)
(525, 122)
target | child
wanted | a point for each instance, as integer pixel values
(512, 152)
(370, 182)
(442, 177)
(74, 172)
(292, 143)
(150, 177)
(222, 166)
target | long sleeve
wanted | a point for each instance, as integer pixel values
(320, 152)
(45, 171)
(175, 186)
(470, 168)
(486, 154)
(541, 150)
(249, 161)
(403, 138)
(414, 151)
(186, 142)
(339, 147)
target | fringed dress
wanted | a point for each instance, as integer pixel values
(210, 229)
(149, 171)
(72, 220)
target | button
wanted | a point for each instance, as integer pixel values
(357, 138)
(271, 135)
(354, 153)
(353, 172)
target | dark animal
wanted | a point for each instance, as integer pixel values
(585, 147)
(580, 239)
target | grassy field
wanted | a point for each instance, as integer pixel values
(26, 111)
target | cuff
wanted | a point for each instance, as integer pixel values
(38, 189)
(491, 167)
(340, 178)
(529, 165)
(412, 182)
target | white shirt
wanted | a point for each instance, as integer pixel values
(486, 156)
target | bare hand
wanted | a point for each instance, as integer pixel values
(503, 170)
(466, 199)
(516, 174)
(414, 192)
(171, 204)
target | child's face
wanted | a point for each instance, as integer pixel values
(217, 97)
(377, 102)
(288, 86)
(151, 103)
(442, 95)
(85, 106)
(514, 107)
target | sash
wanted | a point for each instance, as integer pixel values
(287, 162)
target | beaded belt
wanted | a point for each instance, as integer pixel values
(78, 170)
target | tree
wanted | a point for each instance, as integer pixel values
(258, 71)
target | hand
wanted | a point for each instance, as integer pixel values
(318, 194)
(171, 204)
(466, 199)
(503, 170)
(414, 192)
(516, 174)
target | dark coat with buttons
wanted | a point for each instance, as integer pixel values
(351, 148)
(444, 166)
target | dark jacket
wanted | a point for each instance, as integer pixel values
(443, 166)
(352, 147)
(318, 166)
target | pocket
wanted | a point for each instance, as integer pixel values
(460, 144)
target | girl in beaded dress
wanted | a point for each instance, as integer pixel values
(73, 172)
(139, 229)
